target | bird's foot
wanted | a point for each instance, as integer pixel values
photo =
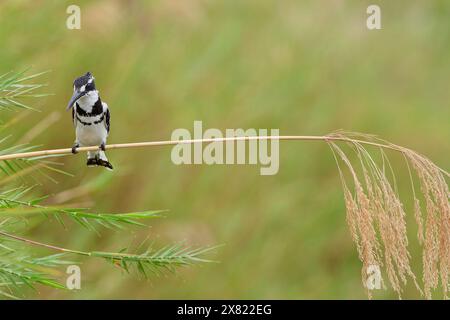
(102, 146)
(105, 163)
(75, 147)
(92, 162)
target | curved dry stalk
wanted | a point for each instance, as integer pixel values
(375, 213)
(331, 137)
(66, 151)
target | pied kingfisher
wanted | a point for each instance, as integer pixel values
(90, 117)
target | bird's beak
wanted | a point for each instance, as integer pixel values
(76, 95)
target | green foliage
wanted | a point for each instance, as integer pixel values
(15, 93)
(14, 87)
(157, 261)
(13, 204)
(18, 270)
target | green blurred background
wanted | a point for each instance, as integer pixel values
(305, 67)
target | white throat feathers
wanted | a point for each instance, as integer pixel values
(87, 101)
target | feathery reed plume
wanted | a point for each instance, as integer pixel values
(376, 216)
(375, 212)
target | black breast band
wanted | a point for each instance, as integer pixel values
(89, 123)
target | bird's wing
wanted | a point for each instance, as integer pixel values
(106, 121)
(74, 119)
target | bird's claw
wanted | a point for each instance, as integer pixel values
(74, 149)
(102, 147)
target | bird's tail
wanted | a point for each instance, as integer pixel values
(98, 158)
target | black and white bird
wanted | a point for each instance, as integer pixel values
(91, 119)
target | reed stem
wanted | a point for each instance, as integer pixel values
(41, 153)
